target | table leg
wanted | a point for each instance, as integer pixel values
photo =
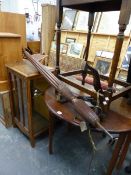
(51, 128)
(124, 151)
(116, 153)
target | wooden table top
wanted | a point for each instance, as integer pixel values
(114, 122)
(93, 5)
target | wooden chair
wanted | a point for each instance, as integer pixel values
(93, 6)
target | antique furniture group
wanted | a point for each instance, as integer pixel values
(110, 113)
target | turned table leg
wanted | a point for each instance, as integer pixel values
(116, 153)
(124, 151)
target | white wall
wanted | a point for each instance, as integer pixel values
(9, 5)
(109, 23)
(18, 6)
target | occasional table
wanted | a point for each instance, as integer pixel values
(114, 122)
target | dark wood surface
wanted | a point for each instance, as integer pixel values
(93, 5)
(114, 122)
(118, 120)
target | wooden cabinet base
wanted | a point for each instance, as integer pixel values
(5, 111)
(21, 83)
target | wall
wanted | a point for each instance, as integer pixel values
(104, 42)
(109, 23)
(22, 6)
(18, 6)
(9, 5)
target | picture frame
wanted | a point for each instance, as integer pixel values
(63, 48)
(98, 53)
(75, 50)
(68, 19)
(122, 75)
(107, 54)
(125, 63)
(70, 40)
(127, 58)
(104, 54)
(102, 65)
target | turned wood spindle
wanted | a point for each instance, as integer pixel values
(58, 36)
(123, 22)
(86, 53)
(90, 25)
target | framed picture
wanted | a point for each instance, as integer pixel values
(70, 40)
(106, 54)
(122, 75)
(75, 50)
(127, 58)
(98, 53)
(63, 48)
(102, 65)
(82, 21)
(68, 19)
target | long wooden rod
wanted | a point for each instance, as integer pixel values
(53, 80)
